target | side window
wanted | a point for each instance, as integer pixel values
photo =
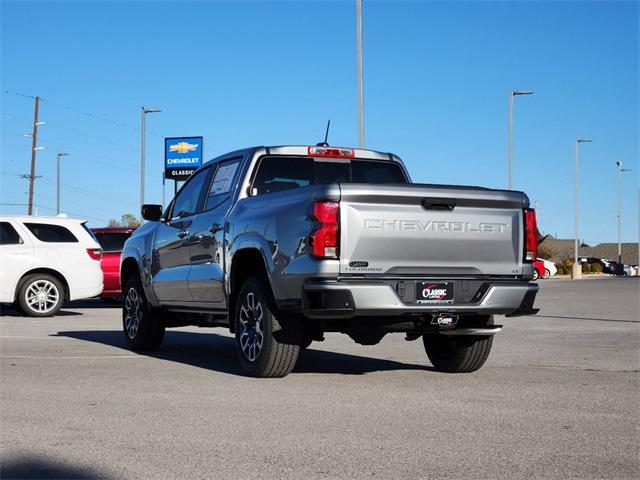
(186, 203)
(51, 233)
(222, 183)
(277, 174)
(8, 234)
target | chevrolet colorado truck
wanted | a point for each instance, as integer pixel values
(282, 244)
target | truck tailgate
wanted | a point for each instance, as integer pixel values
(428, 230)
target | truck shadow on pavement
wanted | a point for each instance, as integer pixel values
(218, 353)
(30, 467)
(12, 312)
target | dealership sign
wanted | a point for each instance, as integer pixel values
(182, 156)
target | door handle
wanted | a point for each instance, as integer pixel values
(215, 228)
(183, 233)
(438, 203)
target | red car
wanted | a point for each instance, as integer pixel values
(112, 241)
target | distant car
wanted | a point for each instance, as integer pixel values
(543, 269)
(608, 266)
(112, 242)
(45, 261)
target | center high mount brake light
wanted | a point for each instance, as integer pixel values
(332, 152)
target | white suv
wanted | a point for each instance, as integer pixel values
(45, 261)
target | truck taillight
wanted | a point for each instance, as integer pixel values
(530, 235)
(94, 253)
(326, 238)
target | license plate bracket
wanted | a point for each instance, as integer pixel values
(428, 292)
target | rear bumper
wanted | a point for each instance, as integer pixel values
(339, 300)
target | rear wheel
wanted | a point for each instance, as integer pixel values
(458, 354)
(268, 341)
(536, 275)
(142, 328)
(40, 295)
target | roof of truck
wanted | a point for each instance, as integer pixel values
(303, 150)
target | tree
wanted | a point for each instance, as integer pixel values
(546, 252)
(127, 220)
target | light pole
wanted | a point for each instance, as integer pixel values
(360, 86)
(620, 172)
(58, 155)
(143, 126)
(512, 94)
(576, 270)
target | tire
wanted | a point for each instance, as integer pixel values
(536, 275)
(143, 329)
(268, 341)
(40, 295)
(458, 354)
(547, 273)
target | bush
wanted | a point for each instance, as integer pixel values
(545, 252)
(596, 268)
(586, 268)
(560, 269)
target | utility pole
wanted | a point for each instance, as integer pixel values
(620, 172)
(512, 94)
(58, 155)
(360, 86)
(34, 138)
(576, 270)
(144, 112)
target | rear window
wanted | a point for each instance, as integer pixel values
(112, 241)
(51, 233)
(8, 234)
(277, 174)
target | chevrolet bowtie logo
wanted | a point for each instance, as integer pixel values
(183, 147)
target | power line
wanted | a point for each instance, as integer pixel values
(78, 132)
(94, 115)
(108, 161)
(53, 210)
(73, 187)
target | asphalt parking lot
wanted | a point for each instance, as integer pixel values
(558, 398)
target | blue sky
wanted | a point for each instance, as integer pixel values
(437, 77)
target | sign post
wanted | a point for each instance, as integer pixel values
(182, 157)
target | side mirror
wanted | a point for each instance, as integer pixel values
(151, 212)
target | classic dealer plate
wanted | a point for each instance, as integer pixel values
(434, 292)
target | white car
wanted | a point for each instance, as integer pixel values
(45, 261)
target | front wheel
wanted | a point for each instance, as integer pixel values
(142, 329)
(268, 341)
(458, 354)
(547, 273)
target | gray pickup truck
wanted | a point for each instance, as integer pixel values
(282, 244)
